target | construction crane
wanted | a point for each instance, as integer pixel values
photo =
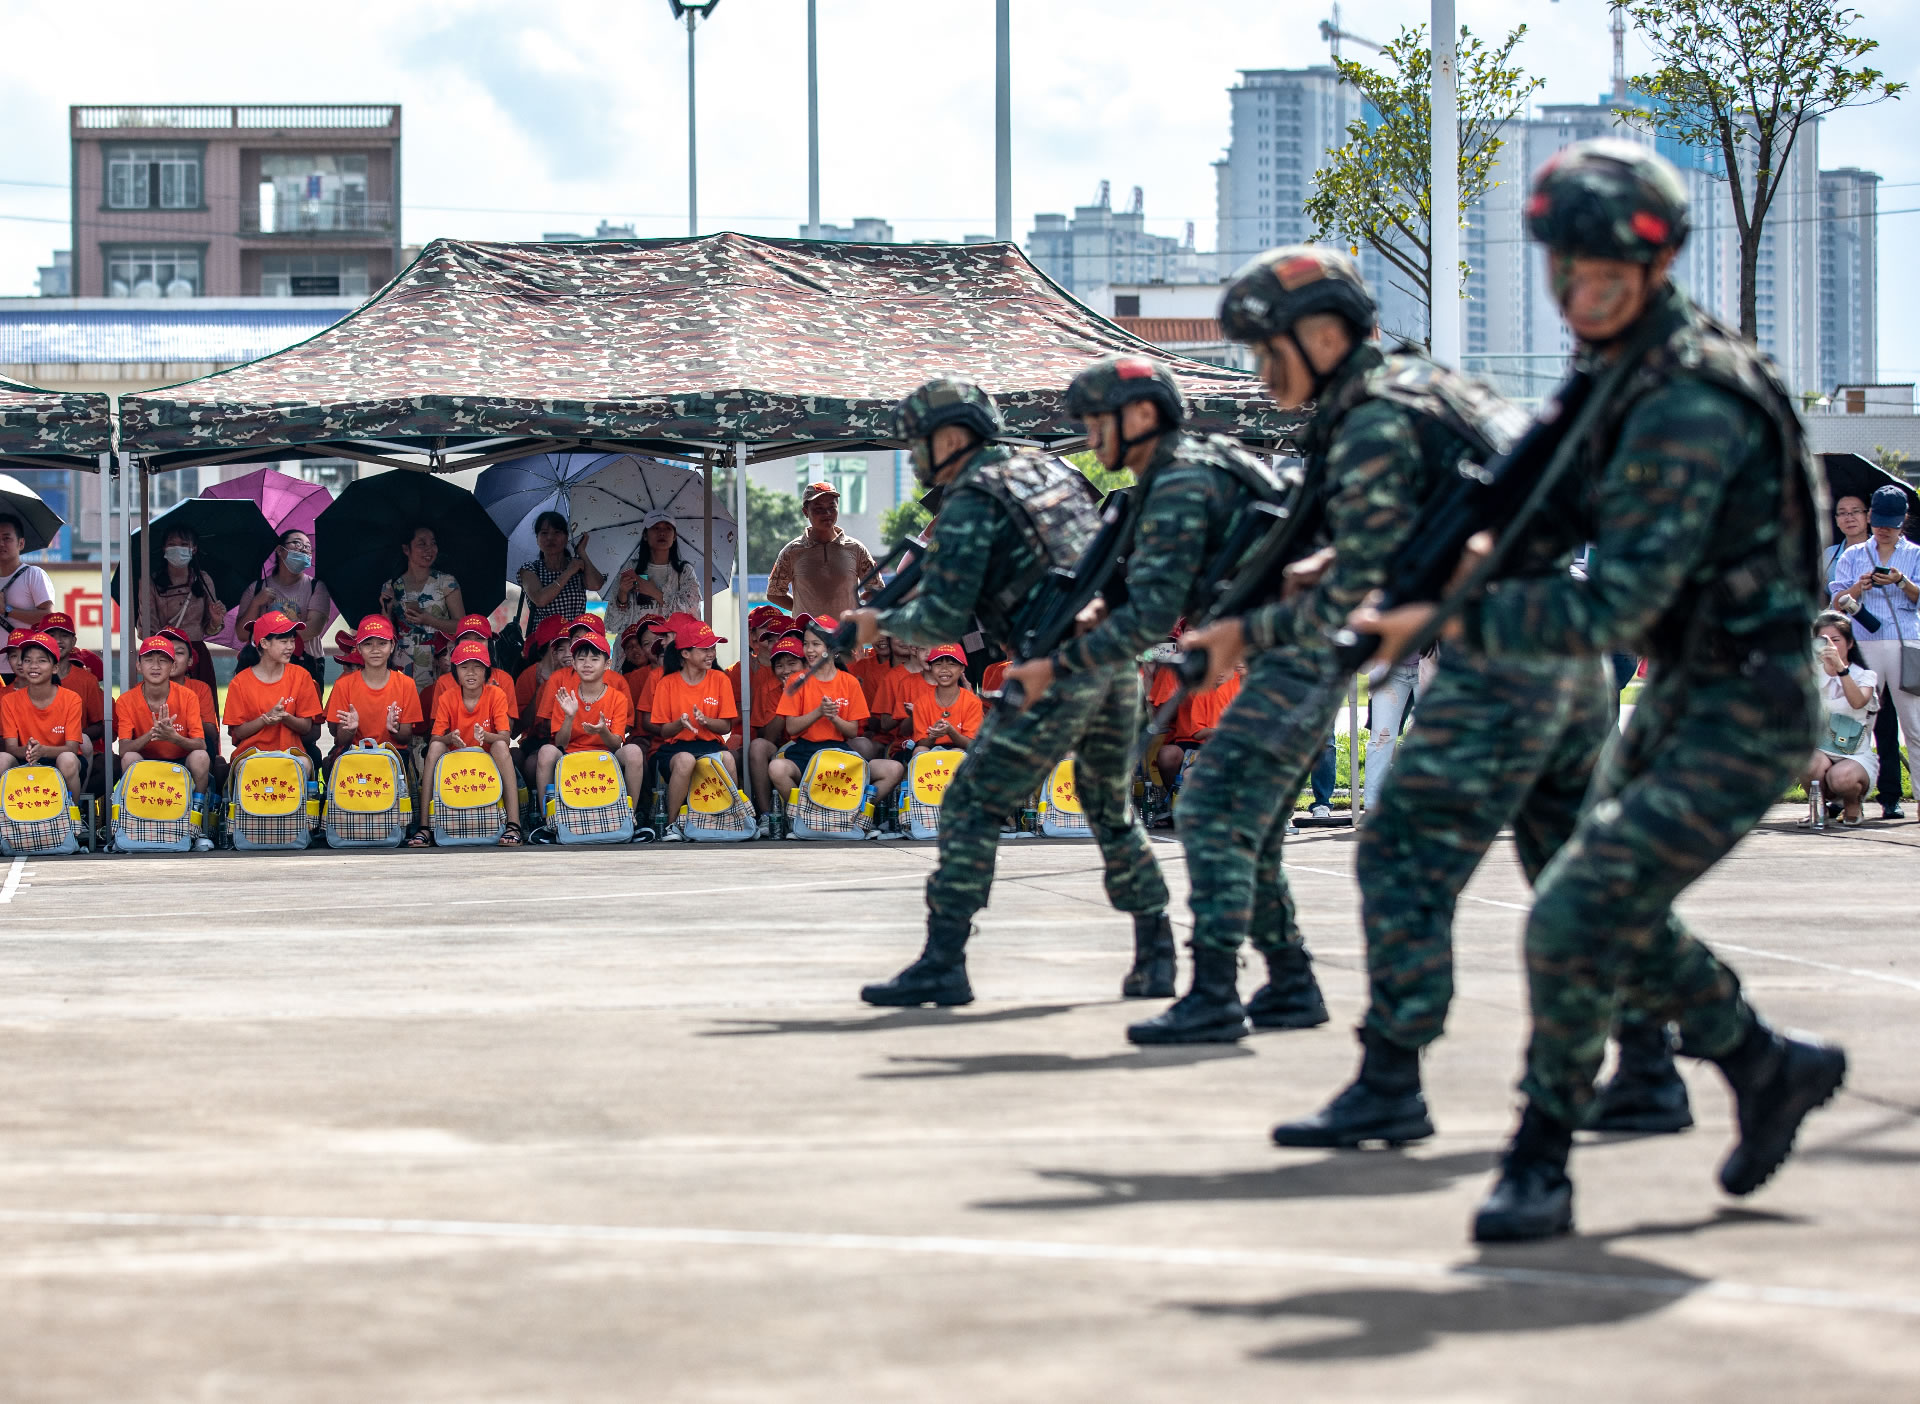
(1331, 31)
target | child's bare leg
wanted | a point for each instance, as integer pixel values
(1169, 760)
(129, 759)
(679, 781)
(863, 748)
(783, 774)
(543, 766)
(886, 774)
(759, 754)
(199, 765)
(435, 750)
(633, 765)
(68, 764)
(509, 782)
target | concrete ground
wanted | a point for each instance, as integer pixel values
(610, 1125)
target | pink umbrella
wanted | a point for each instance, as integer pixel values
(286, 501)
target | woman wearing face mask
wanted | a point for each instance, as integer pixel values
(179, 595)
(287, 587)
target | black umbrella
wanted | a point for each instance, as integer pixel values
(1850, 475)
(358, 541)
(234, 536)
(42, 522)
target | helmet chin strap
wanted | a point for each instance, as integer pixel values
(1128, 445)
(933, 473)
(1321, 379)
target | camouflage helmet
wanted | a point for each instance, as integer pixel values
(1276, 289)
(1608, 198)
(942, 401)
(1115, 381)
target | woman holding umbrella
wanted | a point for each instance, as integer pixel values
(424, 604)
(655, 580)
(181, 595)
(556, 581)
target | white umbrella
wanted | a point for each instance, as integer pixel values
(617, 500)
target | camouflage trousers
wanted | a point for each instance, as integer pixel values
(1704, 755)
(1097, 717)
(1493, 743)
(1239, 794)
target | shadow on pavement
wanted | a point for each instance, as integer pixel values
(877, 1023)
(1848, 1147)
(985, 1064)
(1555, 1286)
(1350, 1175)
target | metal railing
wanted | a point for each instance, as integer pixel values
(298, 217)
(210, 117)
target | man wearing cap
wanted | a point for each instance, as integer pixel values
(1879, 573)
(1705, 514)
(819, 572)
(1006, 519)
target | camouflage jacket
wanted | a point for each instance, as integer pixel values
(1192, 493)
(975, 544)
(1378, 460)
(1701, 505)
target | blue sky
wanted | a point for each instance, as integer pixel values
(521, 119)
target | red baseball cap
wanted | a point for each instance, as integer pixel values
(350, 657)
(473, 624)
(790, 647)
(156, 644)
(654, 623)
(274, 622)
(60, 621)
(39, 638)
(471, 651)
(587, 621)
(697, 636)
(374, 626)
(824, 621)
(179, 636)
(818, 490)
(953, 651)
(18, 637)
(547, 630)
(593, 637)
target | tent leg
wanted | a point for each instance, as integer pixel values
(130, 586)
(741, 592)
(106, 615)
(706, 544)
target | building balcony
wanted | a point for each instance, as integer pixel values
(303, 220)
(211, 117)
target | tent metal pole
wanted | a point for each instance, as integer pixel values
(130, 587)
(146, 550)
(1003, 122)
(106, 616)
(741, 592)
(706, 544)
(813, 127)
(1356, 768)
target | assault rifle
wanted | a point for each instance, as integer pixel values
(1048, 620)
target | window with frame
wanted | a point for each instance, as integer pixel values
(153, 272)
(313, 275)
(315, 192)
(153, 177)
(847, 473)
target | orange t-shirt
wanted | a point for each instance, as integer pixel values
(1202, 710)
(356, 692)
(133, 716)
(59, 723)
(674, 697)
(570, 680)
(964, 716)
(767, 692)
(640, 685)
(248, 697)
(612, 707)
(843, 685)
(524, 687)
(995, 674)
(85, 686)
(452, 716)
(209, 709)
(871, 672)
(448, 683)
(1164, 682)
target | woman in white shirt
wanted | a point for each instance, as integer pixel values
(1844, 762)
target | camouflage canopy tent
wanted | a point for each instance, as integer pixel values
(53, 428)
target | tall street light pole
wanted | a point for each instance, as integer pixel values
(813, 128)
(1003, 122)
(1443, 338)
(692, 10)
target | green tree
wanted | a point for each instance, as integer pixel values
(773, 518)
(1376, 189)
(1104, 480)
(902, 520)
(1742, 78)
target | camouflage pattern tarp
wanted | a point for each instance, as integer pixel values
(663, 342)
(53, 428)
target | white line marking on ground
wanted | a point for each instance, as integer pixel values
(1765, 1294)
(14, 869)
(1899, 980)
(1464, 897)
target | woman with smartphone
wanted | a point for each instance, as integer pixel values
(1843, 762)
(1879, 573)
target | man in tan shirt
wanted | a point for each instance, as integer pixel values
(819, 573)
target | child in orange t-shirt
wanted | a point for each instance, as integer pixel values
(181, 675)
(160, 719)
(769, 728)
(1194, 724)
(374, 704)
(41, 721)
(272, 706)
(588, 713)
(472, 716)
(944, 713)
(473, 626)
(692, 713)
(906, 680)
(77, 680)
(825, 710)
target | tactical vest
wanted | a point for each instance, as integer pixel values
(1055, 510)
(1759, 579)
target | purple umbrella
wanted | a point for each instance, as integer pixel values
(287, 502)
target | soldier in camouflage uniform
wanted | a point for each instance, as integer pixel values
(1192, 493)
(1004, 520)
(1698, 495)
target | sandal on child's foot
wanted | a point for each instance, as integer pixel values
(420, 838)
(510, 836)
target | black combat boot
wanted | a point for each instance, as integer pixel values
(1533, 1198)
(1776, 1080)
(1153, 959)
(1291, 997)
(1646, 1092)
(938, 977)
(1384, 1103)
(1210, 1012)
